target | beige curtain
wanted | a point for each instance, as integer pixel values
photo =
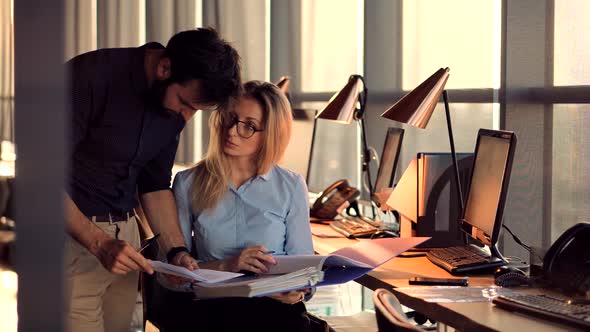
(121, 23)
(92, 24)
(80, 27)
(244, 24)
(6, 71)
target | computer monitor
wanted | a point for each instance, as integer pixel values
(389, 158)
(334, 156)
(298, 153)
(486, 197)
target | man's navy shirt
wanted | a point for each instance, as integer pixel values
(123, 142)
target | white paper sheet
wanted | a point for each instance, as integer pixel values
(204, 275)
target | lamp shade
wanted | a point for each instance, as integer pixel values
(417, 106)
(284, 83)
(342, 105)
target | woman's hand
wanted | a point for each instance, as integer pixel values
(291, 297)
(251, 259)
(183, 259)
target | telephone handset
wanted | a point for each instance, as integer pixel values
(567, 263)
(326, 206)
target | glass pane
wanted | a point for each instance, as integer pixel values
(331, 43)
(571, 167)
(572, 45)
(466, 120)
(463, 35)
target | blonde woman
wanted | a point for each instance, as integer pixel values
(238, 205)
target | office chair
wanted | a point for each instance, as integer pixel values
(149, 291)
(160, 305)
(389, 313)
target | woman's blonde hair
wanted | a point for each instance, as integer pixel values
(212, 174)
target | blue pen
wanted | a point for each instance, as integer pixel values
(268, 252)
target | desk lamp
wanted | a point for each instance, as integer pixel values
(416, 108)
(283, 84)
(347, 105)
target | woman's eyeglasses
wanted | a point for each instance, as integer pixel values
(244, 129)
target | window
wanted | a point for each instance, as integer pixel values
(466, 120)
(331, 51)
(571, 159)
(571, 45)
(463, 35)
(571, 142)
(331, 43)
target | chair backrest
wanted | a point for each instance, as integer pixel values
(389, 313)
(149, 289)
(160, 305)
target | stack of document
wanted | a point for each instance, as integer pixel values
(260, 285)
(296, 271)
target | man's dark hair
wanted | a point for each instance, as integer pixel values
(201, 54)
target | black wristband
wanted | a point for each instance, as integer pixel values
(174, 251)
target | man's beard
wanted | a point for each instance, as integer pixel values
(157, 94)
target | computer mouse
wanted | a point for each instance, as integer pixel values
(509, 276)
(382, 234)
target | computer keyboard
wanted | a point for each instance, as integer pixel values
(461, 259)
(355, 227)
(548, 307)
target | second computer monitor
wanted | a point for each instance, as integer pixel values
(389, 158)
(298, 153)
(484, 203)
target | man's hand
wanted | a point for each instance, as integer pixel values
(115, 255)
(251, 259)
(120, 257)
(291, 297)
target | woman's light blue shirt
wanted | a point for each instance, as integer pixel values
(270, 210)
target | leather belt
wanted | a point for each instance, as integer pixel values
(115, 217)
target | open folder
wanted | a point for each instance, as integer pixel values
(301, 271)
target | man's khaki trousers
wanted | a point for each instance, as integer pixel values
(100, 301)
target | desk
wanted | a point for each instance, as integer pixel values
(473, 316)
